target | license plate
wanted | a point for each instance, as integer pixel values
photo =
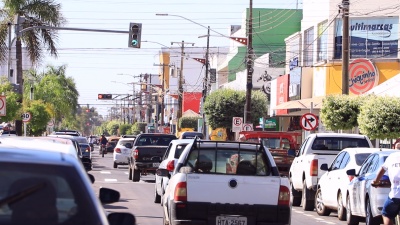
(231, 220)
(156, 164)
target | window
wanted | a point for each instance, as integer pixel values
(322, 41)
(228, 161)
(336, 162)
(364, 168)
(338, 143)
(179, 149)
(308, 48)
(345, 160)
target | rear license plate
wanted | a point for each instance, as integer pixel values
(156, 164)
(231, 220)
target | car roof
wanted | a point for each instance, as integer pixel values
(337, 135)
(41, 149)
(364, 150)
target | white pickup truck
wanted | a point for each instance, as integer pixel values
(316, 150)
(226, 183)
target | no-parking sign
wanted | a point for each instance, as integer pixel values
(2, 105)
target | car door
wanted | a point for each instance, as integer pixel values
(296, 169)
(329, 185)
(370, 174)
(358, 192)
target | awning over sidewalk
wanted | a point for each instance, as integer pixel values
(302, 103)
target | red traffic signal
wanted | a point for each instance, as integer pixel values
(104, 96)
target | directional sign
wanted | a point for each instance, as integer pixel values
(26, 117)
(2, 105)
(237, 123)
(309, 121)
(247, 127)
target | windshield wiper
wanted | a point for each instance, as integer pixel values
(22, 194)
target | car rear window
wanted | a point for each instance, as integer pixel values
(229, 161)
(338, 143)
(58, 191)
(179, 149)
(155, 140)
(360, 158)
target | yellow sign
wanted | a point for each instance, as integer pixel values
(218, 134)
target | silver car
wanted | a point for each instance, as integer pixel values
(168, 162)
(45, 183)
(363, 200)
(122, 151)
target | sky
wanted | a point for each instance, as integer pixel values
(103, 62)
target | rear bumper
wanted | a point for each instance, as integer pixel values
(121, 159)
(206, 213)
(146, 166)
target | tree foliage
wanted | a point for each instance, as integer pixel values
(138, 127)
(40, 117)
(380, 117)
(189, 122)
(125, 129)
(221, 105)
(340, 112)
(13, 107)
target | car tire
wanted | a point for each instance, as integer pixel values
(130, 173)
(115, 165)
(157, 197)
(350, 218)
(136, 175)
(307, 204)
(319, 205)
(369, 219)
(295, 196)
(341, 210)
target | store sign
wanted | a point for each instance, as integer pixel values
(363, 76)
(293, 63)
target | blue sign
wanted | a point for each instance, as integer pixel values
(293, 63)
(369, 37)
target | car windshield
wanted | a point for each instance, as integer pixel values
(29, 190)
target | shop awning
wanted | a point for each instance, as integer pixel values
(302, 103)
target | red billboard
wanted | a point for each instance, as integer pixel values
(282, 93)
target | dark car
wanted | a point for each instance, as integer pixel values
(86, 150)
(191, 135)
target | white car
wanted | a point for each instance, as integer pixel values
(122, 151)
(332, 187)
(169, 161)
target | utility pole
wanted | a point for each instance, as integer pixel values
(180, 82)
(162, 92)
(249, 85)
(205, 85)
(345, 47)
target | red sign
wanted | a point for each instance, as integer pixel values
(309, 121)
(282, 93)
(363, 76)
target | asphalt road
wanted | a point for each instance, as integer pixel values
(137, 197)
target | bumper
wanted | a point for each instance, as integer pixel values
(206, 213)
(121, 159)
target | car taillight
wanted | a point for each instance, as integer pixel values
(87, 149)
(171, 165)
(136, 154)
(180, 194)
(284, 196)
(117, 150)
(314, 167)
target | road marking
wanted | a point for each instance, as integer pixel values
(126, 173)
(110, 180)
(105, 172)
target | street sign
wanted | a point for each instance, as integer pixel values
(237, 123)
(247, 127)
(2, 105)
(26, 117)
(309, 121)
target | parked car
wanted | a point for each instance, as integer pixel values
(332, 187)
(363, 200)
(86, 150)
(45, 184)
(316, 150)
(169, 160)
(122, 151)
(218, 182)
(191, 135)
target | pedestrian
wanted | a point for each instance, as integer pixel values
(397, 146)
(391, 207)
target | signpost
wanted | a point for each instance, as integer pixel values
(237, 123)
(309, 121)
(26, 117)
(248, 127)
(2, 105)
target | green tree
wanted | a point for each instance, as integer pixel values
(13, 107)
(340, 112)
(379, 117)
(222, 105)
(138, 127)
(125, 129)
(112, 127)
(40, 117)
(189, 122)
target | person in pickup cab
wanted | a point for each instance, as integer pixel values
(392, 204)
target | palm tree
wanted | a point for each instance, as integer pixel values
(35, 13)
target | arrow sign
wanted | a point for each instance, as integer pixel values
(309, 121)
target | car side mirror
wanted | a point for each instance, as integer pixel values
(324, 167)
(108, 195)
(162, 172)
(121, 218)
(91, 177)
(351, 172)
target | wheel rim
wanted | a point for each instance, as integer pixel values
(319, 204)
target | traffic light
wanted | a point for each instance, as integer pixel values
(104, 96)
(135, 33)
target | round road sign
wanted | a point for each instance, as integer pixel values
(26, 117)
(309, 121)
